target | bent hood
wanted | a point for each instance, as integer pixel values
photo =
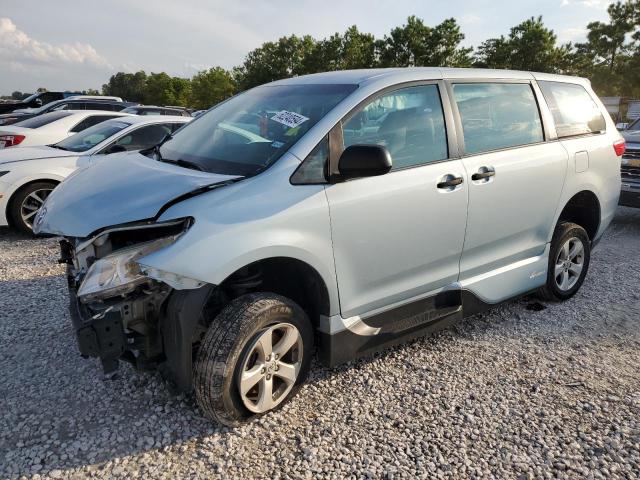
(18, 154)
(117, 189)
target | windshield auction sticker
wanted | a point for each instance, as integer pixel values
(290, 119)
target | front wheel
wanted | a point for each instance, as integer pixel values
(27, 202)
(253, 358)
(569, 258)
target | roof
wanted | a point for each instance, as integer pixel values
(138, 119)
(385, 75)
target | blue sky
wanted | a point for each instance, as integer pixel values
(65, 44)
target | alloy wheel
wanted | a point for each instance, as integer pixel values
(32, 204)
(271, 367)
(569, 264)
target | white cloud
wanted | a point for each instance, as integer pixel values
(18, 49)
(598, 4)
(470, 19)
(572, 35)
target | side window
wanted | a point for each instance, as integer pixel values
(409, 122)
(574, 111)
(70, 106)
(90, 122)
(144, 137)
(314, 168)
(176, 126)
(497, 115)
(98, 106)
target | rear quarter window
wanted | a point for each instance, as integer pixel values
(574, 111)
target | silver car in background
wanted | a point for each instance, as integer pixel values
(347, 211)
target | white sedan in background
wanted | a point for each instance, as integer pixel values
(29, 174)
(52, 127)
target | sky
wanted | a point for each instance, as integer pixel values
(76, 45)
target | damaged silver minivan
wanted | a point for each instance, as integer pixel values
(343, 212)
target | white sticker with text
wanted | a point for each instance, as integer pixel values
(290, 119)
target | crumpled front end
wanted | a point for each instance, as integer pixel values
(116, 307)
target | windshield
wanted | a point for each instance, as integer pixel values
(89, 138)
(43, 108)
(249, 132)
(635, 125)
(30, 97)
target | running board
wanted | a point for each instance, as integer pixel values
(395, 326)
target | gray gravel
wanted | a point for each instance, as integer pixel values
(515, 393)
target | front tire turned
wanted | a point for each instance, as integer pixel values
(253, 359)
(569, 258)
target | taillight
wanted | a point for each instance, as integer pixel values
(11, 140)
(619, 146)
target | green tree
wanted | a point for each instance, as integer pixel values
(159, 90)
(417, 44)
(210, 87)
(352, 50)
(610, 56)
(129, 86)
(181, 91)
(529, 46)
(274, 60)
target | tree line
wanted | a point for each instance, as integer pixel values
(610, 57)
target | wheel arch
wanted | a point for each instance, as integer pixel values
(287, 276)
(182, 313)
(584, 209)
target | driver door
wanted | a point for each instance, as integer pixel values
(399, 236)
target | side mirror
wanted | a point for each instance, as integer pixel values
(622, 126)
(38, 102)
(364, 161)
(115, 148)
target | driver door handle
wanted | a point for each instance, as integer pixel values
(450, 182)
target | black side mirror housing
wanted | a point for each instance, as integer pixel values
(364, 161)
(115, 149)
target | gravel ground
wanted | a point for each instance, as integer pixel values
(528, 390)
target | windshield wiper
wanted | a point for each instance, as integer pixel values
(58, 147)
(181, 163)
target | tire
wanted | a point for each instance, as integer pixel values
(569, 236)
(28, 200)
(230, 347)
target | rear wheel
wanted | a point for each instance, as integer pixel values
(27, 202)
(253, 358)
(568, 262)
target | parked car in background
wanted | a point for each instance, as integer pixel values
(112, 104)
(36, 100)
(356, 209)
(630, 167)
(29, 174)
(153, 110)
(52, 127)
